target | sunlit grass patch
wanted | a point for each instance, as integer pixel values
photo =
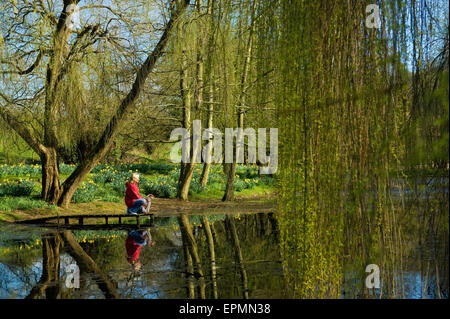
(9, 203)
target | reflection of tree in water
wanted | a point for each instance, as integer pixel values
(235, 257)
(251, 241)
(49, 285)
(192, 258)
(213, 269)
(229, 222)
(212, 254)
(237, 250)
(88, 265)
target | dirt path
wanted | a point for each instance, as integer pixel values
(160, 207)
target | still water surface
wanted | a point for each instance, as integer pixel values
(246, 263)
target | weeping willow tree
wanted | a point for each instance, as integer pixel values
(309, 154)
(347, 120)
(40, 45)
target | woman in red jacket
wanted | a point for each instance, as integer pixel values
(135, 202)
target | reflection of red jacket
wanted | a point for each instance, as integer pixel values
(131, 194)
(133, 249)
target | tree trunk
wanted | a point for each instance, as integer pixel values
(229, 189)
(205, 174)
(50, 176)
(55, 72)
(187, 170)
(73, 181)
(185, 182)
(207, 166)
(49, 281)
(230, 172)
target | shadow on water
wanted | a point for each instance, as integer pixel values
(194, 256)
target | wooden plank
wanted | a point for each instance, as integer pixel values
(79, 217)
(94, 227)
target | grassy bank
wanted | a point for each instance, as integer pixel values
(105, 187)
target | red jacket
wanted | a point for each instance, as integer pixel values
(131, 194)
(133, 249)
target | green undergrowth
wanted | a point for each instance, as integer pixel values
(106, 183)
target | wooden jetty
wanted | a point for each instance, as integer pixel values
(79, 220)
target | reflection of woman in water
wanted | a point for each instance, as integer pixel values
(135, 202)
(134, 242)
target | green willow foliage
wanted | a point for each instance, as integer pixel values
(345, 99)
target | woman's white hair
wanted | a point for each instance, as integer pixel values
(133, 177)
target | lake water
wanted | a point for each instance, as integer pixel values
(35, 263)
